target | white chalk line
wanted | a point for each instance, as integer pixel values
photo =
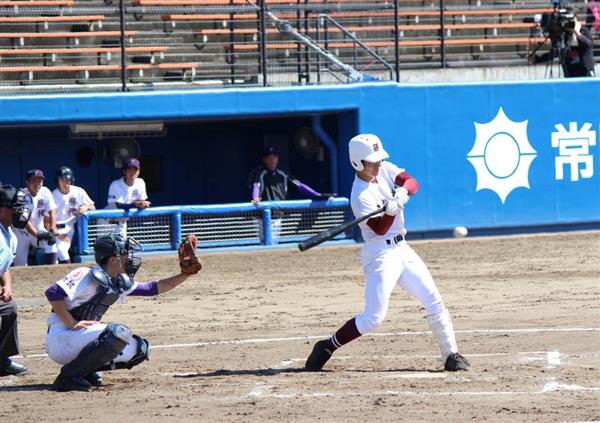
(313, 337)
(385, 334)
(543, 354)
(527, 355)
(549, 388)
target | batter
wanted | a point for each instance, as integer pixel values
(386, 257)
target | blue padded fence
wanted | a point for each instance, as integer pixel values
(218, 225)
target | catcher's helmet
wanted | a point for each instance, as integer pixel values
(65, 172)
(365, 147)
(110, 245)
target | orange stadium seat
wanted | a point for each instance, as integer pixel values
(406, 43)
(30, 19)
(65, 34)
(81, 50)
(76, 68)
(84, 70)
(36, 3)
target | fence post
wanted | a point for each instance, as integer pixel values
(82, 235)
(176, 230)
(263, 43)
(442, 36)
(307, 49)
(318, 38)
(123, 41)
(266, 222)
(397, 40)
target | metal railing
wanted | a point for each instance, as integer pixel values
(219, 225)
(322, 25)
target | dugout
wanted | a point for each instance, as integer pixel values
(184, 161)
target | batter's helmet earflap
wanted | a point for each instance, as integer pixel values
(365, 147)
(65, 172)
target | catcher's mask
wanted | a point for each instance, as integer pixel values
(19, 201)
(110, 245)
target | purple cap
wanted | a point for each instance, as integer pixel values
(131, 163)
(35, 172)
(268, 151)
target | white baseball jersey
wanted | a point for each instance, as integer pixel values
(68, 204)
(120, 192)
(42, 204)
(80, 287)
(63, 344)
(389, 263)
(367, 197)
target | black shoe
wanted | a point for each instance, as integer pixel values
(94, 379)
(318, 357)
(71, 383)
(12, 368)
(456, 362)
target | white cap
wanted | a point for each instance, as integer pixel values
(366, 147)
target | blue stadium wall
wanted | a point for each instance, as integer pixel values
(483, 153)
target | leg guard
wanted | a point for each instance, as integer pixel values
(142, 354)
(441, 326)
(99, 352)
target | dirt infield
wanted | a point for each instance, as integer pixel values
(230, 344)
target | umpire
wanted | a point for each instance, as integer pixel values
(15, 209)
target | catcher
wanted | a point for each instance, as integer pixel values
(76, 338)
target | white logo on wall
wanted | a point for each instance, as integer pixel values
(574, 150)
(501, 155)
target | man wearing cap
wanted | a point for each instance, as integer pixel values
(128, 192)
(269, 183)
(41, 229)
(15, 210)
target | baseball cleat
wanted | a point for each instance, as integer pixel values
(74, 383)
(456, 362)
(318, 357)
(94, 379)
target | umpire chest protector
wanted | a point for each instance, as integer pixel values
(110, 291)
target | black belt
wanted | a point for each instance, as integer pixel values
(61, 225)
(397, 239)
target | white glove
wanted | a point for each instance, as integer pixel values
(401, 196)
(392, 207)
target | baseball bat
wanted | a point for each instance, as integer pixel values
(336, 230)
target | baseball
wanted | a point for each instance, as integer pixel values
(460, 232)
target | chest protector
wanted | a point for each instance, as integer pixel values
(110, 291)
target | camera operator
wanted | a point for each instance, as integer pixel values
(572, 43)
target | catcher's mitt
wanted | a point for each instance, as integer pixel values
(188, 261)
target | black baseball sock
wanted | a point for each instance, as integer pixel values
(345, 334)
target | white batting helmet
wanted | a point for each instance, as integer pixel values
(366, 147)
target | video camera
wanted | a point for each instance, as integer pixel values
(555, 24)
